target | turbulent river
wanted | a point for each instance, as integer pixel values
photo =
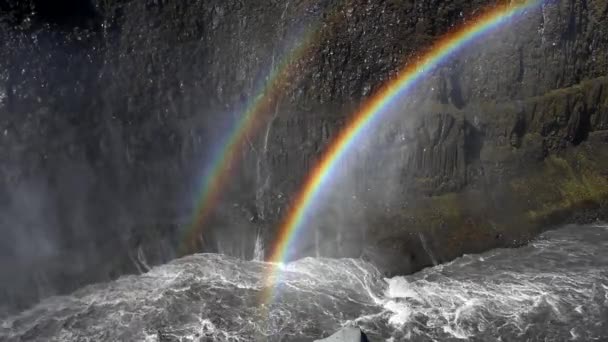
(554, 289)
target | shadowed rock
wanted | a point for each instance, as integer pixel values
(348, 334)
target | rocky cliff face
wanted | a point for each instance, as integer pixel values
(111, 109)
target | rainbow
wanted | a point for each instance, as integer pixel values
(370, 112)
(218, 172)
(225, 157)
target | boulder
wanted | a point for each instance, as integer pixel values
(346, 334)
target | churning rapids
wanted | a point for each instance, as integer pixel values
(554, 289)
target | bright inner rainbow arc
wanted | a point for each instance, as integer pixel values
(322, 172)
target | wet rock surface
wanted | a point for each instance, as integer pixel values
(111, 109)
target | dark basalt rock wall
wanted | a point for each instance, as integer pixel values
(110, 109)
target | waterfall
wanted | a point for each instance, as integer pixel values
(258, 249)
(317, 243)
(263, 180)
(141, 257)
(139, 260)
(220, 247)
(427, 249)
(339, 242)
(541, 30)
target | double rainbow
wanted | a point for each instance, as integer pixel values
(256, 113)
(370, 112)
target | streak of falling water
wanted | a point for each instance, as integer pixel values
(263, 180)
(339, 241)
(258, 249)
(285, 11)
(427, 249)
(220, 247)
(142, 259)
(544, 23)
(317, 243)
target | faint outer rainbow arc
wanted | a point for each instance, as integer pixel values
(219, 172)
(224, 159)
(450, 43)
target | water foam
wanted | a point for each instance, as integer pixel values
(558, 278)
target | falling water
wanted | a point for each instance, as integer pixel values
(317, 243)
(142, 259)
(139, 260)
(263, 175)
(258, 249)
(427, 249)
(339, 243)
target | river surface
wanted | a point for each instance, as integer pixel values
(554, 289)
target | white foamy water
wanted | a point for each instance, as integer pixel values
(555, 289)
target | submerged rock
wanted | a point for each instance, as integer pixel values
(348, 334)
